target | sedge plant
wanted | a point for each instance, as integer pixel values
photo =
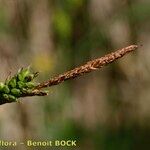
(22, 83)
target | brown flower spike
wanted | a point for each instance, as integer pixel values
(88, 67)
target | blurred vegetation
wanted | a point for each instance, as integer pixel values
(108, 109)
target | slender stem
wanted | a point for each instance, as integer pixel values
(35, 93)
(88, 67)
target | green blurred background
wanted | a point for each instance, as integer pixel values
(105, 110)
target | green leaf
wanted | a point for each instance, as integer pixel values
(15, 92)
(1, 86)
(5, 96)
(12, 82)
(23, 73)
(30, 77)
(30, 85)
(21, 84)
(12, 98)
(6, 89)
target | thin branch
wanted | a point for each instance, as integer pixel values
(88, 67)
